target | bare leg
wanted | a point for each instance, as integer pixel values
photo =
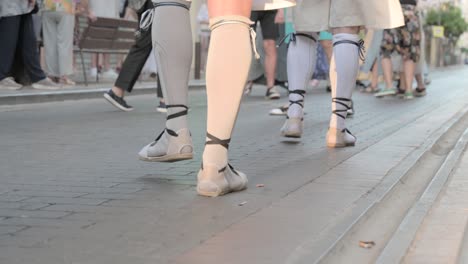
(375, 76)
(106, 62)
(118, 91)
(421, 89)
(402, 81)
(388, 72)
(94, 64)
(328, 47)
(409, 67)
(270, 61)
(420, 80)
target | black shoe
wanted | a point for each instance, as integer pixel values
(400, 93)
(420, 92)
(116, 101)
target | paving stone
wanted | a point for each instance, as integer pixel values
(44, 222)
(31, 214)
(12, 198)
(48, 193)
(113, 196)
(66, 200)
(10, 230)
(74, 189)
(33, 206)
(139, 212)
(9, 205)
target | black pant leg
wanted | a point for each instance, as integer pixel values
(9, 29)
(159, 89)
(29, 49)
(136, 59)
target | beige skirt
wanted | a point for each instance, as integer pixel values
(272, 4)
(317, 15)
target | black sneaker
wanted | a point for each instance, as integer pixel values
(116, 101)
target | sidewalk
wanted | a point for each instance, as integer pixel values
(73, 191)
(80, 91)
(440, 239)
(95, 90)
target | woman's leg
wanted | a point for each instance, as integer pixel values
(409, 67)
(387, 72)
(327, 45)
(106, 62)
(344, 68)
(28, 45)
(410, 46)
(421, 89)
(403, 86)
(328, 48)
(386, 50)
(50, 31)
(420, 80)
(302, 56)
(229, 58)
(375, 76)
(172, 44)
(95, 59)
(65, 43)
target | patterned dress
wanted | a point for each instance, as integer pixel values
(406, 39)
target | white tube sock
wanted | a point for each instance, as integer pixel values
(228, 65)
(302, 56)
(344, 68)
(172, 43)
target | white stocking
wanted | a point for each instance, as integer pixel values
(344, 68)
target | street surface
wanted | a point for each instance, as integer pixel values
(72, 189)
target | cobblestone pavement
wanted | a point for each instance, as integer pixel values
(73, 191)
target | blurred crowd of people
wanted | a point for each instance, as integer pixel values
(393, 61)
(394, 54)
(55, 22)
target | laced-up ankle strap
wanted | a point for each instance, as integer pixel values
(223, 142)
(360, 45)
(169, 131)
(298, 102)
(345, 130)
(216, 141)
(293, 37)
(343, 102)
(171, 4)
(178, 114)
(147, 17)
